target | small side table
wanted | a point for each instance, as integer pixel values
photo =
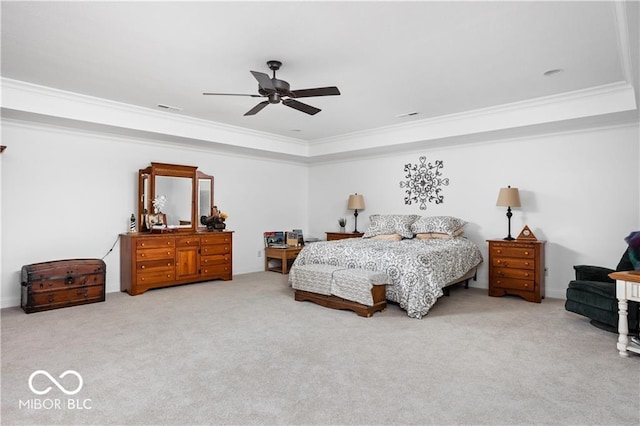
(331, 236)
(627, 288)
(285, 256)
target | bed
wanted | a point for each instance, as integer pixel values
(419, 269)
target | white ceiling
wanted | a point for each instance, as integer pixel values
(387, 58)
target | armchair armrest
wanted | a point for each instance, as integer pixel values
(593, 273)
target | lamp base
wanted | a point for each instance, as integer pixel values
(509, 238)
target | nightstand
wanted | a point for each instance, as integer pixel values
(517, 267)
(286, 256)
(343, 235)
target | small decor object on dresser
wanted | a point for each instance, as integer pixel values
(526, 235)
(62, 283)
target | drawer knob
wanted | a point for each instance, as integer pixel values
(499, 261)
(526, 252)
(526, 263)
(526, 275)
(141, 244)
(142, 255)
(169, 264)
(143, 267)
(499, 251)
(168, 252)
(526, 285)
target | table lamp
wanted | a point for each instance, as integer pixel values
(509, 197)
(356, 202)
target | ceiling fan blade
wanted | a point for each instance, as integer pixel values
(263, 80)
(231, 94)
(256, 109)
(319, 91)
(292, 103)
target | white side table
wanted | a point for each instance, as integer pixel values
(627, 288)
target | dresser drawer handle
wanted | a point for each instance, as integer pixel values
(526, 252)
(526, 275)
(142, 267)
(50, 298)
(498, 251)
(142, 255)
(499, 272)
(69, 280)
(168, 252)
(141, 244)
(499, 282)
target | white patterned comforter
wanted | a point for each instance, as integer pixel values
(418, 269)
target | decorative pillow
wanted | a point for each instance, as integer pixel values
(437, 224)
(437, 235)
(384, 224)
(393, 237)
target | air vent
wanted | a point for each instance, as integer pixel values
(163, 106)
(407, 114)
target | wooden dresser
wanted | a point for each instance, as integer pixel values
(517, 267)
(150, 261)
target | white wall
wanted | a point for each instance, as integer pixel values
(579, 192)
(69, 193)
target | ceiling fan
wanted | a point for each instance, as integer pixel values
(278, 90)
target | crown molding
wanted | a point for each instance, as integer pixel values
(30, 102)
(592, 102)
(36, 99)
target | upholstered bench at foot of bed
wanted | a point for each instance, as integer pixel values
(340, 288)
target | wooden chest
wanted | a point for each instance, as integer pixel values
(62, 283)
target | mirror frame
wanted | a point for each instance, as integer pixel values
(202, 176)
(147, 182)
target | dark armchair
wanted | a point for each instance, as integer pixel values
(593, 294)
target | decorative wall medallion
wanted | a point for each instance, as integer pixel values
(423, 184)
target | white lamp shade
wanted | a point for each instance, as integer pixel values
(508, 197)
(356, 202)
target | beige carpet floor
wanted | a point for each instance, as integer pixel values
(244, 352)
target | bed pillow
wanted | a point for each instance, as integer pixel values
(437, 224)
(384, 224)
(392, 237)
(438, 235)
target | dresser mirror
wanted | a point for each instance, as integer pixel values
(173, 197)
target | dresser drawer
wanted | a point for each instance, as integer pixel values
(155, 254)
(155, 277)
(522, 252)
(216, 239)
(192, 241)
(215, 249)
(155, 265)
(216, 270)
(512, 262)
(150, 243)
(219, 259)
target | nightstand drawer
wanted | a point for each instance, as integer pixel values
(526, 252)
(524, 274)
(512, 262)
(514, 283)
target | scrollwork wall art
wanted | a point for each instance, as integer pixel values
(424, 183)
